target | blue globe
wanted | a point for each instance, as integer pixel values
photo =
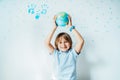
(62, 19)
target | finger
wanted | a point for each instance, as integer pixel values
(55, 17)
(70, 23)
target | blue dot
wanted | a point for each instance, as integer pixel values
(37, 16)
(44, 11)
(92, 40)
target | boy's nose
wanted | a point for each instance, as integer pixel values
(63, 44)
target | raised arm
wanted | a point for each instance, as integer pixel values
(78, 36)
(49, 38)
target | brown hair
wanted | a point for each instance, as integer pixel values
(65, 36)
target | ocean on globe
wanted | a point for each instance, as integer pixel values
(62, 19)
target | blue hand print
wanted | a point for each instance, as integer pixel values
(44, 6)
(31, 8)
(44, 9)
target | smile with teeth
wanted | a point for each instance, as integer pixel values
(63, 47)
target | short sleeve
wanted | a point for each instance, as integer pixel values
(54, 52)
(74, 52)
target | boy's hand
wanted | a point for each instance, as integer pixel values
(54, 21)
(70, 21)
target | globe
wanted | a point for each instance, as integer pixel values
(62, 19)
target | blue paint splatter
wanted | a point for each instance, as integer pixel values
(92, 40)
(44, 6)
(37, 16)
(44, 11)
(31, 8)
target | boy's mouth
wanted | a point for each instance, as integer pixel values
(63, 47)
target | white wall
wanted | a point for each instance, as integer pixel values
(23, 55)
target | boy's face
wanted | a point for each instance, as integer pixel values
(63, 45)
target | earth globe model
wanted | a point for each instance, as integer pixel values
(62, 19)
